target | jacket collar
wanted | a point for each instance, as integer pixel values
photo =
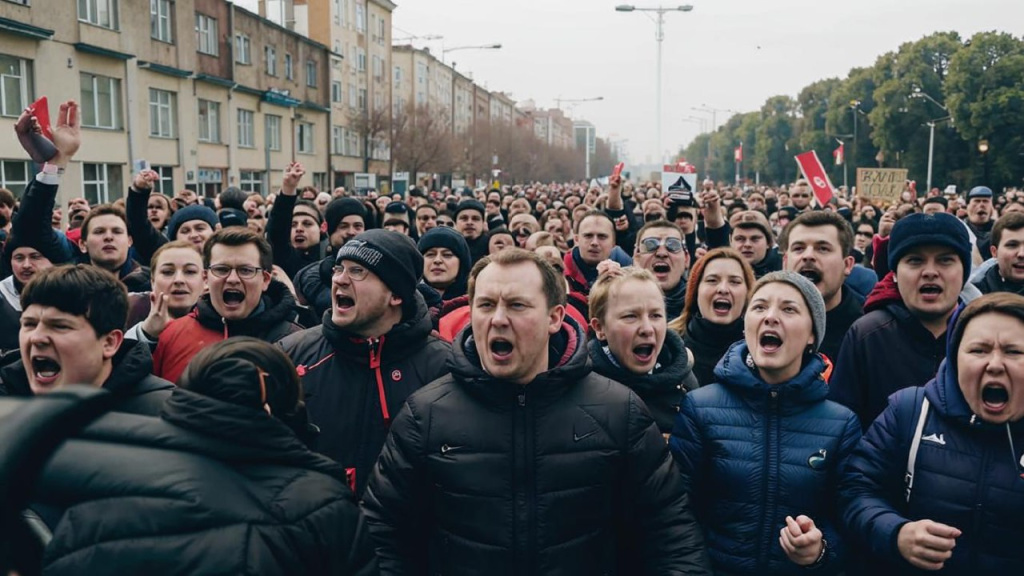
(736, 371)
(276, 305)
(403, 338)
(132, 364)
(672, 368)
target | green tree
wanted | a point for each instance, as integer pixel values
(776, 140)
(812, 107)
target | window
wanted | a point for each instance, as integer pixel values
(270, 59)
(14, 175)
(382, 32)
(304, 137)
(320, 181)
(378, 68)
(398, 76)
(336, 92)
(15, 85)
(337, 139)
(246, 138)
(209, 121)
(210, 182)
(378, 101)
(101, 182)
(160, 20)
(165, 185)
(101, 101)
(352, 140)
(360, 17)
(362, 99)
(206, 34)
(373, 27)
(353, 96)
(243, 49)
(251, 181)
(289, 71)
(311, 73)
(360, 59)
(337, 11)
(161, 113)
(273, 130)
(99, 12)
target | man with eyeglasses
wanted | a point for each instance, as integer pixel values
(372, 350)
(345, 218)
(661, 249)
(243, 300)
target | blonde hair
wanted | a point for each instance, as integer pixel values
(601, 291)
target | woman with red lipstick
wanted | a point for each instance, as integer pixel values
(937, 483)
(632, 344)
(761, 449)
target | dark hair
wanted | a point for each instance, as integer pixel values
(594, 213)
(7, 198)
(697, 276)
(173, 245)
(249, 372)
(553, 283)
(816, 218)
(81, 290)
(316, 214)
(426, 207)
(102, 210)
(233, 197)
(1010, 221)
(239, 236)
(1005, 303)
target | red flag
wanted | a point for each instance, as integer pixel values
(815, 174)
(738, 153)
(839, 154)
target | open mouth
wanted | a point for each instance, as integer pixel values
(300, 239)
(931, 291)
(812, 274)
(644, 352)
(233, 297)
(995, 397)
(721, 306)
(45, 369)
(770, 342)
(661, 268)
(501, 348)
(343, 302)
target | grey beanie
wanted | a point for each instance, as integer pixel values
(815, 303)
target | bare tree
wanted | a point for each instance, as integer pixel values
(421, 141)
(373, 125)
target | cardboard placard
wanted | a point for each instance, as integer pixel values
(881, 185)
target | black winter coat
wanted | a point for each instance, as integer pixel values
(838, 322)
(993, 281)
(709, 342)
(565, 475)
(130, 378)
(354, 386)
(209, 488)
(662, 390)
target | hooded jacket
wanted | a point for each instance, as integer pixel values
(186, 336)
(582, 275)
(565, 475)
(10, 313)
(968, 474)
(663, 389)
(211, 488)
(130, 378)
(754, 453)
(313, 284)
(993, 281)
(279, 234)
(709, 342)
(355, 386)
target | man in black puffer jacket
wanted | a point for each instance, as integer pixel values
(523, 461)
(373, 349)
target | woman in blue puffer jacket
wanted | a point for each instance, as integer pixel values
(937, 482)
(762, 447)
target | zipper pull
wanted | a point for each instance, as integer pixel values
(522, 399)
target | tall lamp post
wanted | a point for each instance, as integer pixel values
(983, 148)
(456, 49)
(574, 101)
(918, 93)
(659, 36)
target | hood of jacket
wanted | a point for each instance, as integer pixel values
(277, 305)
(568, 363)
(11, 292)
(672, 369)
(736, 371)
(132, 364)
(404, 338)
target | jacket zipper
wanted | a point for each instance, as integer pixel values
(224, 321)
(525, 489)
(978, 511)
(376, 347)
(770, 475)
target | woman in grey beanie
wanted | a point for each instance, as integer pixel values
(762, 446)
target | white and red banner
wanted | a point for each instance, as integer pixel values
(839, 154)
(815, 174)
(738, 153)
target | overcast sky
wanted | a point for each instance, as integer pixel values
(728, 54)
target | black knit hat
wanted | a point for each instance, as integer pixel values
(392, 256)
(187, 214)
(939, 229)
(341, 207)
(444, 237)
(472, 204)
(232, 217)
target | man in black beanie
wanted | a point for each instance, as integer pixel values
(373, 349)
(470, 222)
(345, 219)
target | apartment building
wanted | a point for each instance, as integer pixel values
(422, 81)
(199, 89)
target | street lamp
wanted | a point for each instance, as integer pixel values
(659, 36)
(918, 93)
(983, 148)
(456, 49)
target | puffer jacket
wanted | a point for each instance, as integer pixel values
(565, 475)
(968, 474)
(355, 386)
(207, 488)
(186, 336)
(663, 389)
(313, 283)
(754, 453)
(139, 391)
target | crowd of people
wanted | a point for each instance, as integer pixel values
(545, 378)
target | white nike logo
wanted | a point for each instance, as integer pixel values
(936, 438)
(446, 448)
(576, 437)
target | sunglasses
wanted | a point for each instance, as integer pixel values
(673, 245)
(866, 234)
(652, 216)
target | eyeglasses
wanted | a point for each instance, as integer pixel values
(355, 272)
(867, 234)
(446, 223)
(244, 272)
(673, 245)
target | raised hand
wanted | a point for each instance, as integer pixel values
(144, 179)
(801, 540)
(67, 134)
(159, 315)
(292, 174)
(30, 136)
